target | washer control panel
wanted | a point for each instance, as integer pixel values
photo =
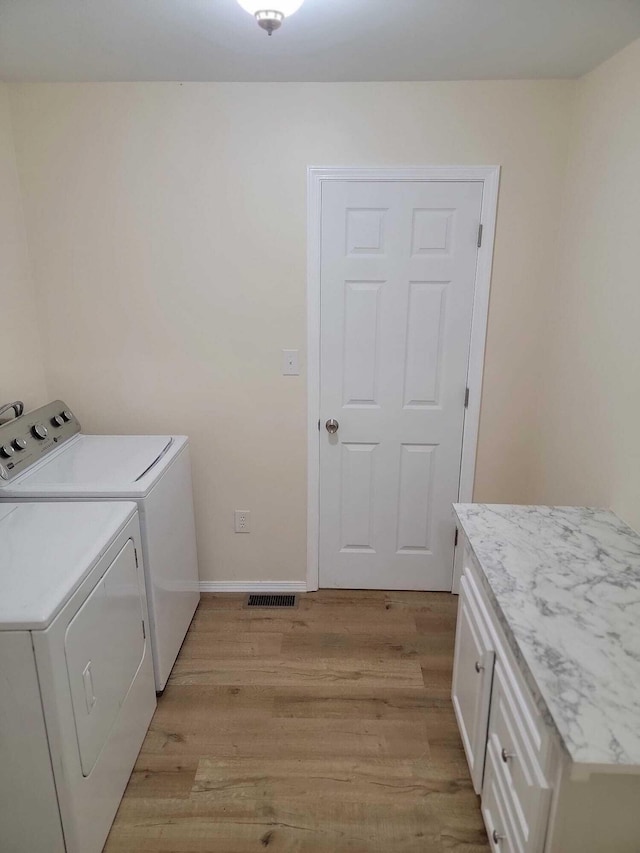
(25, 440)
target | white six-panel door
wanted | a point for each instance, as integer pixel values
(398, 265)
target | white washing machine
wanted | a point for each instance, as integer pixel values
(44, 456)
(77, 691)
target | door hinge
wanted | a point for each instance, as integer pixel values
(480, 235)
(135, 554)
(144, 631)
(466, 398)
(318, 424)
(455, 540)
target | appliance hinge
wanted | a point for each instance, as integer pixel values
(144, 631)
(135, 554)
(480, 235)
(455, 541)
(466, 398)
(318, 424)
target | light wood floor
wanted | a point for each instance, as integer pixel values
(324, 729)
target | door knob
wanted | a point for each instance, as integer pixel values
(332, 426)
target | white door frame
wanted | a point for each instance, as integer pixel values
(316, 175)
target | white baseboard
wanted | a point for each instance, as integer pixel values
(253, 586)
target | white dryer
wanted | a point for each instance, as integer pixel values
(76, 677)
(44, 456)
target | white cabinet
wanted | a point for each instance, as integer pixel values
(534, 799)
(472, 676)
(503, 734)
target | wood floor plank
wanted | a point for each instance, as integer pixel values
(341, 600)
(408, 704)
(161, 776)
(304, 738)
(277, 672)
(433, 621)
(442, 602)
(327, 728)
(348, 620)
(182, 827)
(383, 781)
(231, 645)
(394, 646)
(200, 707)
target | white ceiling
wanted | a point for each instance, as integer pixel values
(327, 40)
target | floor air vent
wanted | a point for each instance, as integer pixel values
(274, 600)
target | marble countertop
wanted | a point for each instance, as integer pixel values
(565, 582)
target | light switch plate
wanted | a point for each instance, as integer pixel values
(290, 362)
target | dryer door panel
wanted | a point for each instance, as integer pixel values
(104, 646)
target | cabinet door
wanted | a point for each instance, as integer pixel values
(472, 676)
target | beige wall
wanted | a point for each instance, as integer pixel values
(21, 369)
(588, 448)
(167, 232)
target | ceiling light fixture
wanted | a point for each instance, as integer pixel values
(270, 18)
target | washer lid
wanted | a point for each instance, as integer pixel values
(96, 466)
(104, 461)
(47, 550)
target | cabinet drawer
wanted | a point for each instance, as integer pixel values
(516, 763)
(474, 591)
(497, 809)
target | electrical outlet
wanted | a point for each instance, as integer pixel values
(243, 520)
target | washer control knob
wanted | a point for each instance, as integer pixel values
(66, 415)
(57, 420)
(6, 450)
(19, 443)
(39, 431)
